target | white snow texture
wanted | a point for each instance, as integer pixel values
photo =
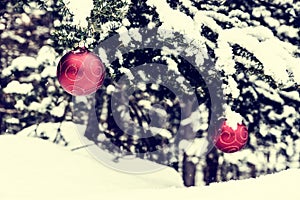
(35, 169)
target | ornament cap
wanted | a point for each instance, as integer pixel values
(80, 50)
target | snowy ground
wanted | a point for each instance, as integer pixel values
(33, 168)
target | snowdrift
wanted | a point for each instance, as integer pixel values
(32, 168)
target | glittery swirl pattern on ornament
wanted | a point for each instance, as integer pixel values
(229, 140)
(80, 72)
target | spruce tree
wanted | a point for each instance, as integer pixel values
(252, 49)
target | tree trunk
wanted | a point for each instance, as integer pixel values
(92, 129)
(211, 169)
(188, 171)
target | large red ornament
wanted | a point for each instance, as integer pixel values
(229, 140)
(80, 72)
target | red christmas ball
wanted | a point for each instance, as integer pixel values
(80, 72)
(231, 140)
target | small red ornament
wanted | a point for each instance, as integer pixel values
(229, 140)
(80, 72)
